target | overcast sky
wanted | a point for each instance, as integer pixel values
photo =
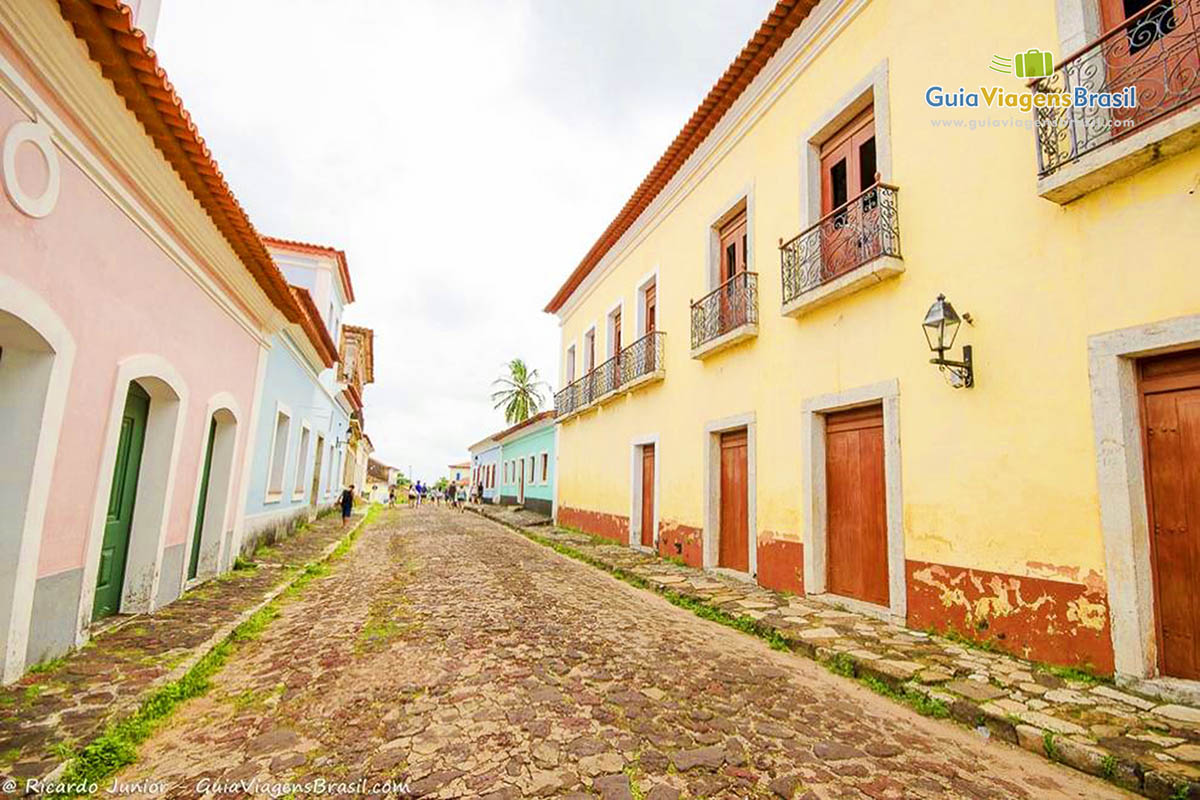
(465, 155)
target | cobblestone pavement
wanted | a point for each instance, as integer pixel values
(470, 662)
(70, 702)
(1145, 744)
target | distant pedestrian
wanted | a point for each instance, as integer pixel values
(391, 495)
(412, 496)
(347, 501)
(460, 498)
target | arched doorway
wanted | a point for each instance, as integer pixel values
(212, 499)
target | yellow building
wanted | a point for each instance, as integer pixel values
(748, 382)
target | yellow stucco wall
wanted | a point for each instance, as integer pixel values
(999, 477)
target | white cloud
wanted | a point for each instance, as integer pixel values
(465, 155)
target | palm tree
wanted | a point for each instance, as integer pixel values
(521, 392)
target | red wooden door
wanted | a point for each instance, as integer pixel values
(734, 538)
(616, 362)
(651, 320)
(856, 533)
(732, 308)
(1171, 415)
(847, 169)
(648, 495)
(1154, 55)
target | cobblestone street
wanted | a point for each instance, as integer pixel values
(450, 653)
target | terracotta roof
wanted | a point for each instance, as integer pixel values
(369, 355)
(319, 249)
(520, 425)
(126, 59)
(770, 36)
(314, 327)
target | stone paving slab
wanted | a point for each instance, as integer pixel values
(1140, 742)
(69, 701)
(461, 661)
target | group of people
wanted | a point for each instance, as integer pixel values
(453, 496)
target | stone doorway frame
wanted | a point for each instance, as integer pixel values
(1121, 484)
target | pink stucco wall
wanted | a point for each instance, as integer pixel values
(120, 295)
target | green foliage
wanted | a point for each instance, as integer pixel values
(521, 392)
(1049, 746)
(1182, 791)
(1082, 673)
(920, 702)
(241, 563)
(841, 664)
(1108, 766)
(46, 667)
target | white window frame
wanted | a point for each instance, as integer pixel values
(648, 280)
(591, 331)
(272, 495)
(609, 318)
(571, 366)
(544, 461)
(743, 200)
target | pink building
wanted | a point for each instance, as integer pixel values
(136, 308)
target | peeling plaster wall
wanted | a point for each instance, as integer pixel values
(608, 526)
(780, 563)
(1038, 618)
(676, 540)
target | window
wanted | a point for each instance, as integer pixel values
(1148, 28)
(570, 364)
(733, 246)
(530, 478)
(545, 467)
(614, 332)
(301, 462)
(589, 350)
(650, 307)
(329, 473)
(279, 445)
(848, 162)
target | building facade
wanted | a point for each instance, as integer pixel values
(303, 424)
(747, 381)
(136, 321)
(356, 370)
(527, 463)
(485, 465)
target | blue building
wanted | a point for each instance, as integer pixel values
(305, 413)
(485, 465)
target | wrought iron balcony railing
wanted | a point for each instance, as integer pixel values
(863, 229)
(728, 307)
(1155, 52)
(643, 357)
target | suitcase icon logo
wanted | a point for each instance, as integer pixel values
(1034, 64)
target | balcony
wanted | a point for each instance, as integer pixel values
(854, 246)
(636, 365)
(1156, 53)
(725, 316)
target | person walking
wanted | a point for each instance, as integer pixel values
(412, 495)
(347, 502)
(391, 497)
(460, 498)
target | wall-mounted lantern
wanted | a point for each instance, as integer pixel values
(941, 326)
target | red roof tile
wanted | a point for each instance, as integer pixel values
(784, 18)
(305, 247)
(126, 59)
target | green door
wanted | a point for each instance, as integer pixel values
(203, 504)
(115, 550)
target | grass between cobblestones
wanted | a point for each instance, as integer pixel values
(118, 745)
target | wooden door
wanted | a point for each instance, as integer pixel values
(856, 529)
(114, 550)
(733, 549)
(1153, 55)
(847, 169)
(650, 313)
(1170, 388)
(732, 305)
(616, 361)
(648, 531)
(202, 503)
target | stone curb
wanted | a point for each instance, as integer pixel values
(1090, 759)
(124, 707)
